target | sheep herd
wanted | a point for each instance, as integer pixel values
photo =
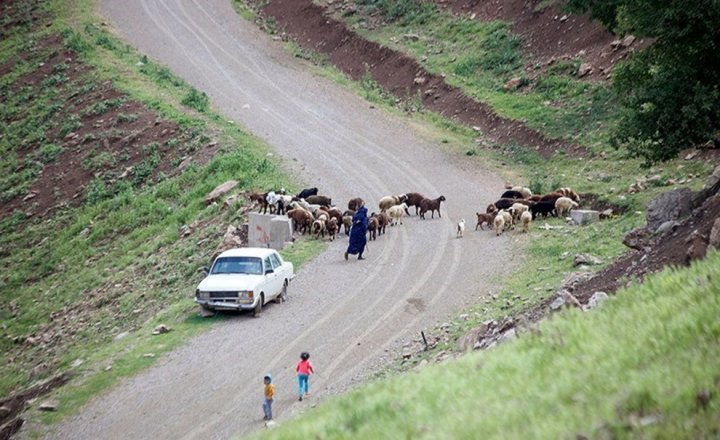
(315, 214)
(519, 205)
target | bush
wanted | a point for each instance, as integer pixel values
(196, 100)
(670, 92)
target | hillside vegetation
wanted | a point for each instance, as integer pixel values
(107, 159)
(641, 366)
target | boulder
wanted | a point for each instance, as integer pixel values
(637, 239)
(512, 84)
(584, 216)
(160, 329)
(714, 240)
(698, 247)
(585, 259)
(671, 205)
(468, 340)
(232, 239)
(48, 405)
(595, 300)
(220, 191)
(667, 226)
(628, 41)
(584, 70)
(712, 186)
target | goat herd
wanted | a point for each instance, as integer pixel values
(315, 214)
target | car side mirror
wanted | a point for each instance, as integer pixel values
(269, 271)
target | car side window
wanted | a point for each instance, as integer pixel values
(275, 261)
(268, 264)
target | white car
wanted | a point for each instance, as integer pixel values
(245, 279)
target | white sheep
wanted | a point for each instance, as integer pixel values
(522, 190)
(460, 228)
(499, 223)
(563, 205)
(508, 219)
(396, 213)
(526, 219)
(388, 201)
(517, 210)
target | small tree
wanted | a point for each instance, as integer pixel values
(670, 91)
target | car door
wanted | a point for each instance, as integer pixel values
(271, 279)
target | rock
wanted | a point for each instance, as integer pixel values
(691, 155)
(584, 70)
(615, 44)
(406, 354)
(595, 300)
(232, 239)
(76, 363)
(4, 412)
(557, 303)
(585, 259)
(563, 18)
(411, 37)
(671, 205)
(714, 240)
(656, 179)
(161, 329)
(606, 214)
(420, 80)
(121, 336)
(637, 239)
(570, 300)
(698, 247)
(48, 405)
(507, 336)
(670, 225)
(512, 84)
(628, 41)
(220, 191)
(584, 216)
(270, 424)
(29, 196)
(148, 355)
(469, 339)
(186, 162)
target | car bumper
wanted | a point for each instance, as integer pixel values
(225, 305)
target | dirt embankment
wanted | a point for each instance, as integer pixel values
(549, 34)
(94, 133)
(313, 28)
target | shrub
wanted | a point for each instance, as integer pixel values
(196, 100)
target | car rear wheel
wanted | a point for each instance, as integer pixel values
(259, 306)
(282, 296)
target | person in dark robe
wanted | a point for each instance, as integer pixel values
(358, 233)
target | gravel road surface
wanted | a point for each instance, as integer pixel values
(352, 316)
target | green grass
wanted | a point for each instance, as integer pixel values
(117, 262)
(631, 369)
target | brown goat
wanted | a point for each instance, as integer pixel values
(261, 200)
(302, 219)
(355, 204)
(319, 200)
(432, 206)
(484, 218)
(332, 228)
(383, 221)
(414, 199)
(372, 227)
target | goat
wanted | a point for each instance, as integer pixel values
(484, 218)
(319, 200)
(307, 193)
(569, 193)
(372, 227)
(510, 194)
(542, 208)
(260, 199)
(526, 219)
(355, 204)
(414, 199)
(432, 206)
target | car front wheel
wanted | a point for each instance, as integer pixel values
(282, 296)
(259, 306)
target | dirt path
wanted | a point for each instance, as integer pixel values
(352, 316)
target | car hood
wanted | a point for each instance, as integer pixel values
(230, 282)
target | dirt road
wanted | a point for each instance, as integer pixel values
(352, 316)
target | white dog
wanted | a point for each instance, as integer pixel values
(460, 228)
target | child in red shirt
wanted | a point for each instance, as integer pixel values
(304, 370)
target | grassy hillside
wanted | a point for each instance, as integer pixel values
(109, 257)
(641, 366)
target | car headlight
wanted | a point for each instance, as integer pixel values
(202, 295)
(246, 294)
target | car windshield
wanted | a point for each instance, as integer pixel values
(247, 265)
